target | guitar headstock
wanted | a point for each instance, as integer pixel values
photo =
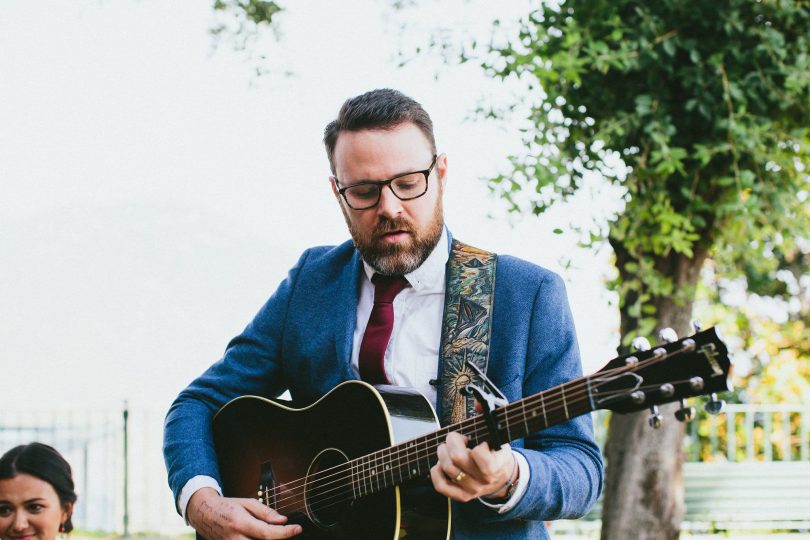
(693, 366)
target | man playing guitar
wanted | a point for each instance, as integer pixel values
(381, 308)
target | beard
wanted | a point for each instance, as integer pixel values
(397, 259)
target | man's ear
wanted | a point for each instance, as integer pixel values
(441, 169)
(334, 188)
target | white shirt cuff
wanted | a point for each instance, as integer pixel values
(192, 486)
(520, 487)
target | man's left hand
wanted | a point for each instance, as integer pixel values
(464, 474)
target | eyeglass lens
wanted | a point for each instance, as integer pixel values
(409, 186)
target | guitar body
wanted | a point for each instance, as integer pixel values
(267, 450)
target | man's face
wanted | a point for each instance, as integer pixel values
(394, 237)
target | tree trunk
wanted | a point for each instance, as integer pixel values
(644, 488)
(643, 496)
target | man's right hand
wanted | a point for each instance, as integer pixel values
(221, 518)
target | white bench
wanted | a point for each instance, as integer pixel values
(747, 495)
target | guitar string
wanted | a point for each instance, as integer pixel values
(548, 403)
(386, 455)
(371, 464)
(404, 453)
(321, 499)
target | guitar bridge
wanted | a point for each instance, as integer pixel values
(267, 483)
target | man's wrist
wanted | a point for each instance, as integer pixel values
(520, 487)
(508, 489)
(198, 500)
(191, 487)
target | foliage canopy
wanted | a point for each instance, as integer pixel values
(707, 104)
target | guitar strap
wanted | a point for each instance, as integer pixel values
(466, 327)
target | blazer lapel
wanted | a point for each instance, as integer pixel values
(344, 327)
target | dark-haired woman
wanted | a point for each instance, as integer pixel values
(36, 493)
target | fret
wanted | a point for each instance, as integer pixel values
(413, 467)
(399, 465)
(525, 420)
(388, 469)
(425, 454)
(375, 471)
(372, 471)
(354, 485)
(591, 401)
(543, 405)
(565, 405)
(359, 472)
(380, 469)
(506, 421)
(378, 472)
(367, 475)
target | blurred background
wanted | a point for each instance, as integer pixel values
(161, 168)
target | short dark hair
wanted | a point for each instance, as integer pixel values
(45, 463)
(383, 108)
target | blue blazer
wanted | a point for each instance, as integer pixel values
(301, 341)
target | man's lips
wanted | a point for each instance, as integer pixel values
(394, 236)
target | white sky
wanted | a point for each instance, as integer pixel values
(153, 194)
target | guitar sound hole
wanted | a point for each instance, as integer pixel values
(328, 489)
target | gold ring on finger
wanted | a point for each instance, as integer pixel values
(459, 477)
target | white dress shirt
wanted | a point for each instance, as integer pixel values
(412, 352)
(410, 358)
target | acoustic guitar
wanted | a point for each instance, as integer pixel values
(355, 464)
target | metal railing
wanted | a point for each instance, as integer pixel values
(745, 432)
(121, 481)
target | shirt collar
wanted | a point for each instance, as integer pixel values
(430, 275)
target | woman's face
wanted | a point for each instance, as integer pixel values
(30, 509)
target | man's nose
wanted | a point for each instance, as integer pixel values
(389, 206)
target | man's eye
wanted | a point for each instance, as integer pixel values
(364, 191)
(5, 511)
(410, 182)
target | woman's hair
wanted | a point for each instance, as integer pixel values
(45, 463)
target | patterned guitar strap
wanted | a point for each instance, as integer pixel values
(466, 328)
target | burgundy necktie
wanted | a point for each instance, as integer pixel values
(378, 330)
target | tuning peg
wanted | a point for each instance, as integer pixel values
(667, 390)
(696, 326)
(667, 335)
(715, 406)
(685, 414)
(655, 420)
(641, 344)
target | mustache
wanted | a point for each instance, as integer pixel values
(387, 225)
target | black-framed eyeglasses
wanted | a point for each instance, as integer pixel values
(366, 194)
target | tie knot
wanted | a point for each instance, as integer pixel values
(387, 287)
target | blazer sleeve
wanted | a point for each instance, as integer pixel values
(251, 365)
(566, 470)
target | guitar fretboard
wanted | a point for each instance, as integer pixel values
(414, 458)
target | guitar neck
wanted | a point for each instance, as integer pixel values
(414, 458)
